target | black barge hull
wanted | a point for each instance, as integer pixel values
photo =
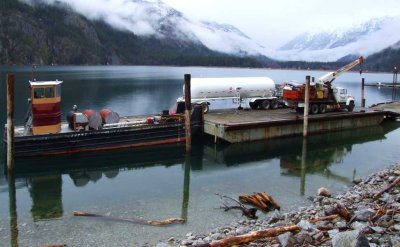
(104, 139)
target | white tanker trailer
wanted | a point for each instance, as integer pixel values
(259, 91)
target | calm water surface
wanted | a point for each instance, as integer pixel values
(159, 183)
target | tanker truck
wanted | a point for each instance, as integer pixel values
(260, 92)
(324, 96)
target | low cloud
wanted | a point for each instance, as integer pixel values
(364, 45)
(135, 16)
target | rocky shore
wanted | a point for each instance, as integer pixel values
(370, 222)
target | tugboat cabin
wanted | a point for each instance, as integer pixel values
(46, 110)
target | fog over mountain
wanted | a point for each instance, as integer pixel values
(154, 18)
(363, 39)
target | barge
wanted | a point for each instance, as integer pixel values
(45, 134)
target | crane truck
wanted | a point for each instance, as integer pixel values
(323, 95)
(259, 91)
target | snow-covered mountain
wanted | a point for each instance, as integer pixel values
(365, 38)
(155, 18)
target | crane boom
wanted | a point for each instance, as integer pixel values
(331, 76)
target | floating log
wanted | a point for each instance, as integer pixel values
(137, 221)
(260, 200)
(54, 245)
(394, 183)
(249, 237)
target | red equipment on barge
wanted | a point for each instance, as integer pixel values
(45, 134)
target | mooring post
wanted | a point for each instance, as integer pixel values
(306, 106)
(10, 122)
(362, 92)
(394, 92)
(188, 108)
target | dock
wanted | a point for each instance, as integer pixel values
(235, 126)
(392, 109)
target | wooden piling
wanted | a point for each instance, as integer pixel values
(10, 122)
(394, 90)
(188, 108)
(306, 106)
(362, 92)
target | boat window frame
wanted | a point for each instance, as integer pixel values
(49, 92)
(58, 90)
(38, 92)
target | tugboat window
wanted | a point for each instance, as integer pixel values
(49, 92)
(58, 91)
(38, 93)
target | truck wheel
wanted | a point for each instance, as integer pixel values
(265, 105)
(206, 108)
(274, 104)
(322, 108)
(350, 108)
(314, 109)
(253, 105)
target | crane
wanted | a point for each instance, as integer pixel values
(331, 76)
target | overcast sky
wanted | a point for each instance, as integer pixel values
(272, 22)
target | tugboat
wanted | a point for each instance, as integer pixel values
(89, 131)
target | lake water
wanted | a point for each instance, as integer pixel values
(160, 183)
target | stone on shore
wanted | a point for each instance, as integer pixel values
(350, 239)
(324, 192)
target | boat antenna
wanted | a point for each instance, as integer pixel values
(33, 67)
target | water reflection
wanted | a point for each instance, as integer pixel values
(13, 210)
(186, 187)
(296, 158)
(46, 194)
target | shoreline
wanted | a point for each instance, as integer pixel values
(372, 222)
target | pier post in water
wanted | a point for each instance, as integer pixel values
(394, 90)
(306, 106)
(10, 122)
(362, 92)
(188, 108)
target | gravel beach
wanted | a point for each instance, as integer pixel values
(370, 221)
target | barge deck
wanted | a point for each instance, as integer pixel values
(236, 126)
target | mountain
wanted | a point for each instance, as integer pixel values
(53, 32)
(385, 60)
(154, 18)
(363, 39)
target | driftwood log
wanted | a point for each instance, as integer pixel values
(391, 185)
(329, 217)
(343, 212)
(248, 212)
(137, 221)
(251, 236)
(260, 200)
(54, 245)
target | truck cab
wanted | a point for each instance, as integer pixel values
(343, 98)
